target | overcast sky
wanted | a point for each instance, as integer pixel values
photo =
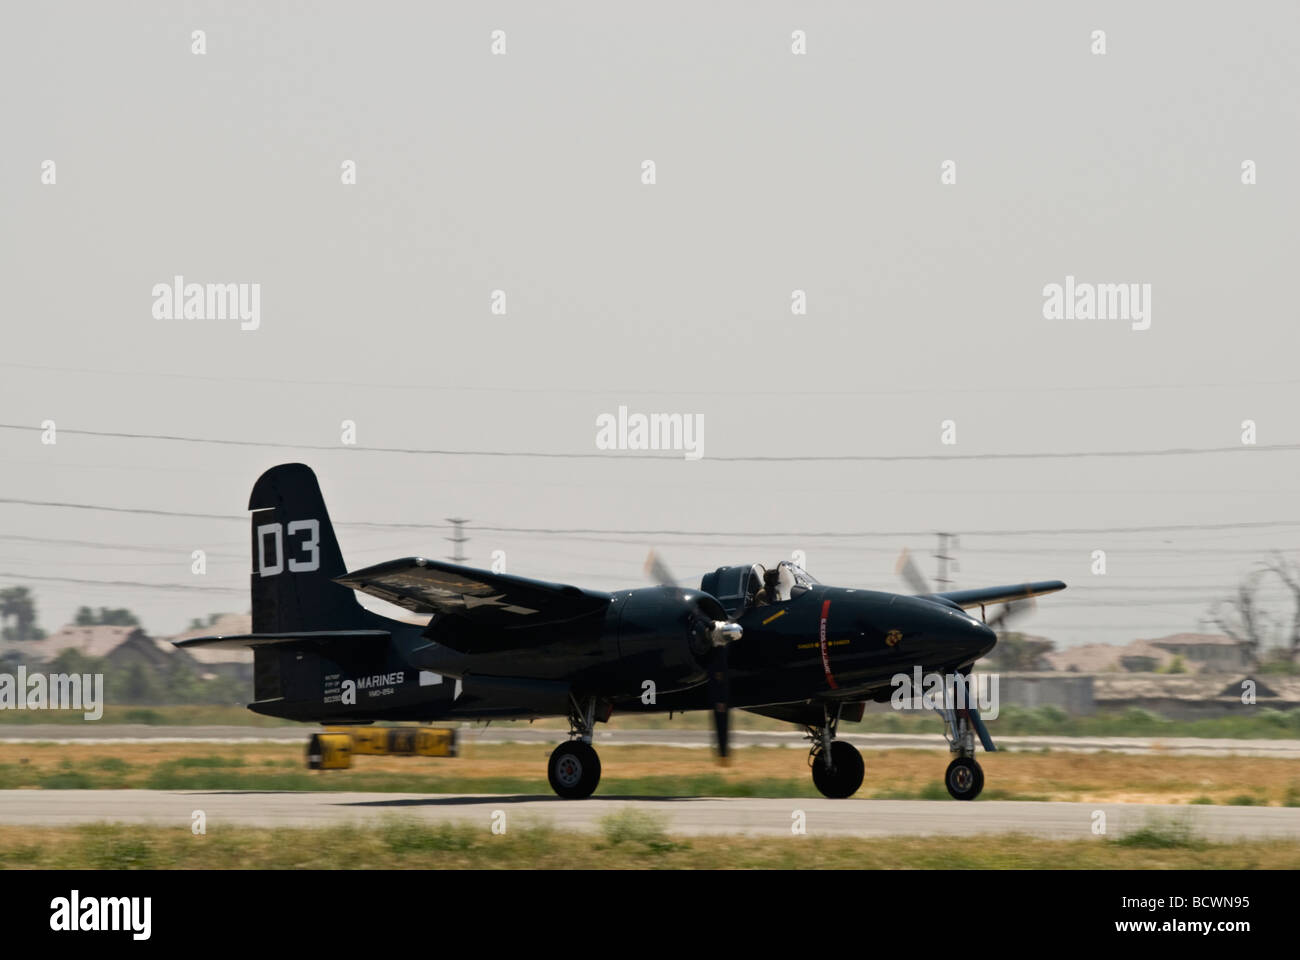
(774, 172)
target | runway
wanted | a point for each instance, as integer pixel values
(697, 739)
(680, 815)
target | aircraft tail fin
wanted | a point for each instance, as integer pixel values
(296, 558)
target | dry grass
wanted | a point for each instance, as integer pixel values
(1093, 778)
(622, 843)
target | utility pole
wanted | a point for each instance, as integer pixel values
(458, 525)
(948, 542)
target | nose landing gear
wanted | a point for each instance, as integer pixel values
(964, 777)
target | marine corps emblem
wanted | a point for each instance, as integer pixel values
(893, 636)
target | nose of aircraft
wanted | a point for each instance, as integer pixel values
(960, 632)
(983, 636)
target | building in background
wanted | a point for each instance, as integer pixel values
(118, 646)
(236, 664)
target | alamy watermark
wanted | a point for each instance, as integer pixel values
(1074, 300)
(938, 691)
(179, 300)
(652, 431)
(75, 913)
(56, 691)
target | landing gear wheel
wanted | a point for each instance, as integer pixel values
(574, 770)
(964, 779)
(845, 773)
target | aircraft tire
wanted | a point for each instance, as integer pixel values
(964, 779)
(574, 770)
(845, 775)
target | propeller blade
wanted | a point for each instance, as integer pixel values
(720, 699)
(658, 571)
(711, 640)
(911, 573)
(1012, 611)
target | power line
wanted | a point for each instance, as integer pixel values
(632, 455)
(107, 509)
(101, 545)
(836, 534)
(769, 535)
(187, 587)
(443, 387)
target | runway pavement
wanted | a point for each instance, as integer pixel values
(141, 733)
(680, 815)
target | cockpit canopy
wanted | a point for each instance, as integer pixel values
(738, 588)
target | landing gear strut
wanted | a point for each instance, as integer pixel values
(837, 766)
(574, 767)
(964, 777)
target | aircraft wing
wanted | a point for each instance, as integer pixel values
(983, 596)
(481, 596)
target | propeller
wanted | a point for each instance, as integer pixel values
(911, 573)
(1012, 611)
(719, 690)
(916, 582)
(658, 571)
(712, 639)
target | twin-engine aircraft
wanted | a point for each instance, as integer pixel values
(773, 641)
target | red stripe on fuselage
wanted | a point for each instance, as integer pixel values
(821, 636)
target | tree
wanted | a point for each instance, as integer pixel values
(1243, 617)
(138, 685)
(107, 616)
(1289, 574)
(1176, 665)
(72, 660)
(18, 605)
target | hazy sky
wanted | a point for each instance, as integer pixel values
(775, 172)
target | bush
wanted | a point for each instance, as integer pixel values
(637, 826)
(1162, 835)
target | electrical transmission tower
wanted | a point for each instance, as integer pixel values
(947, 544)
(458, 555)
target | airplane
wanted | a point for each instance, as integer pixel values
(773, 642)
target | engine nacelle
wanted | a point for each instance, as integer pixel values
(663, 633)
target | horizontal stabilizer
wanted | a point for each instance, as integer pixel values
(269, 639)
(481, 596)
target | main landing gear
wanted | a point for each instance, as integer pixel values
(837, 766)
(574, 767)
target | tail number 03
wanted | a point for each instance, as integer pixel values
(308, 543)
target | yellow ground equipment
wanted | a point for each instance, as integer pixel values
(333, 749)
(329, 751)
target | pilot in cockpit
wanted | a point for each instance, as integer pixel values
(783, 582)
